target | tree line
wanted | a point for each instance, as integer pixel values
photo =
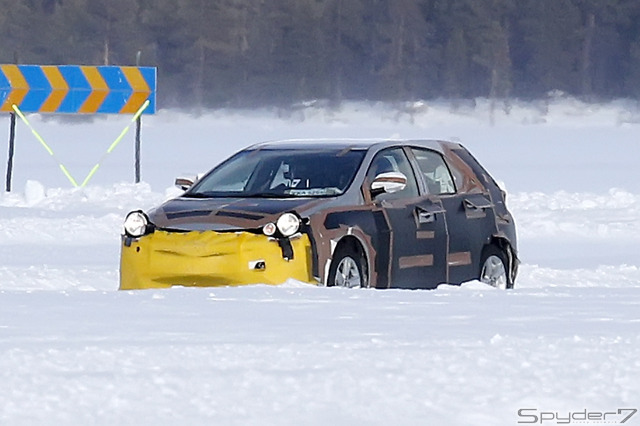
(243, 53)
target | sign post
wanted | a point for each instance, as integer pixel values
(137, 150)
(12, 138)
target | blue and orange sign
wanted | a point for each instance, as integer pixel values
(77, 89)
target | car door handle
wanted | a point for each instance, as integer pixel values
(426, 216)
(471, 205)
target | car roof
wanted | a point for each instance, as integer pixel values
(352, 143)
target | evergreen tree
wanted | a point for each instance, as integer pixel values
(550, 39)
(249, 53)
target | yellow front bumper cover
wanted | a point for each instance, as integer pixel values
(204, 259)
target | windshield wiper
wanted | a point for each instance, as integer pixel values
(269, 195)
(212, 194)
(195, 195)
(200, 195)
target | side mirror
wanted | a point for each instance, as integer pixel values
(389, 183)
(184, 182)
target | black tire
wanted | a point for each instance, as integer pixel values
(494, 268)
(348, 268)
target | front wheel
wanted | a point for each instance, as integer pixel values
(347, 268)
(494, 268)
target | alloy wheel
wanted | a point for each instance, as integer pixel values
(494, 272)
(347, 273)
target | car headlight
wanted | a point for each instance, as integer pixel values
(269, 229)
(288, 224)
(135, 224)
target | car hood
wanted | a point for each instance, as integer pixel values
(218, 214)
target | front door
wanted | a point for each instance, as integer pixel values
(416, 228)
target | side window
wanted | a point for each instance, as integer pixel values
(393, 160)
(435, 171)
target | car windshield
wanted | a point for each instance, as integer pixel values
(279, 173)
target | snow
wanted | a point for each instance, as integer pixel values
(74, 350)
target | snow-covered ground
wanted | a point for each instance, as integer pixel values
(564, 344)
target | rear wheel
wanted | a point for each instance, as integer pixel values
(348, 268)
(494, 269)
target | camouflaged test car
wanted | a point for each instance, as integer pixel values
(355, 213)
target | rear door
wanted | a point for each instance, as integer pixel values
(470, 217)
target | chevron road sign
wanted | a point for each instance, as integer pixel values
(77, 89)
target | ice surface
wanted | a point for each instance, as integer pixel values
(73, 350)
